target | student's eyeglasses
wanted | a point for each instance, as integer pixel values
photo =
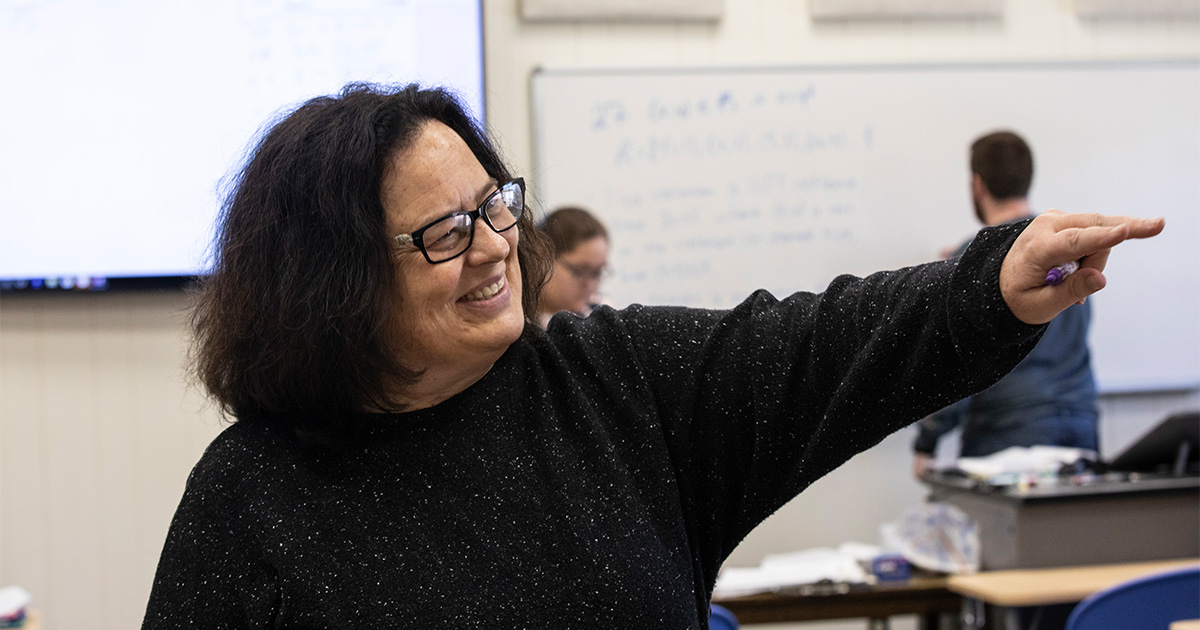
(580, 272)
(448, 237)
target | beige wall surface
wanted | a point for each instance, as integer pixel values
(99, 428)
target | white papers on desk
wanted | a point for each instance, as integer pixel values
(797, 568)
(13, 600)
(1022, 460)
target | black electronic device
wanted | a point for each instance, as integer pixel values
(1171, 447)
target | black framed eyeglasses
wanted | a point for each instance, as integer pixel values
(448, 237)
(583, 272)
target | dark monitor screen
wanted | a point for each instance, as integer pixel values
(122, 120)
(1161, 448)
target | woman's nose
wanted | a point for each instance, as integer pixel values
(490, 245)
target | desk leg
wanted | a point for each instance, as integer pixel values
(1010, 619)
(978, 615)
(939, 621)
(973, 617)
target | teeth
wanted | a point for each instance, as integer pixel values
(486, 292)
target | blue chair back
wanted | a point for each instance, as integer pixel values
(1152, 601)
(720, 618)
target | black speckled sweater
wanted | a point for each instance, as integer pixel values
(596, 477)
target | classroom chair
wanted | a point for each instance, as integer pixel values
(1152, 601)
(720, 618)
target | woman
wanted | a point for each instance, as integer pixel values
(580, 260)
(410, 450)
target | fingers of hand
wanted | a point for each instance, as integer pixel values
(1096, 262)
(1077, 243)
(1084, 282)
(1145, 228)
(1087, 237)
(1138, 228)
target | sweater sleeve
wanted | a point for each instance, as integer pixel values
(760, 401)
(210, 575)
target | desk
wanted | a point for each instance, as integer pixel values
(927, 597)
(1043, 587)
(1039, 587)
(1120, 518)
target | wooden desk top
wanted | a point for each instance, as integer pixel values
(918, 596)
(1039, 587)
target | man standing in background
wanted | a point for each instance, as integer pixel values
(1050, 398)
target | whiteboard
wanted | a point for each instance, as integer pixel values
(717, 182)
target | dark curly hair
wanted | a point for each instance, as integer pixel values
(1004, 162)
(292, 321)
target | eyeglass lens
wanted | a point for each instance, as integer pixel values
(581, 272)
(451, 236)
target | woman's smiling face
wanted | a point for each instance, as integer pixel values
(465, 311)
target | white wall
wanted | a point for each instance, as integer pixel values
(98, 428)
(98, 431)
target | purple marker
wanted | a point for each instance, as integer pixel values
(1055, 276)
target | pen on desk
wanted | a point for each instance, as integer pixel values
(1055, 276)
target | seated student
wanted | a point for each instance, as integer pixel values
(580, 259)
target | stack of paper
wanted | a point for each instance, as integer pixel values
(810, 566)
(1018, 460)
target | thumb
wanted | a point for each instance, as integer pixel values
(1085, 282)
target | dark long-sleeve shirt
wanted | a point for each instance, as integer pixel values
(596, 477)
